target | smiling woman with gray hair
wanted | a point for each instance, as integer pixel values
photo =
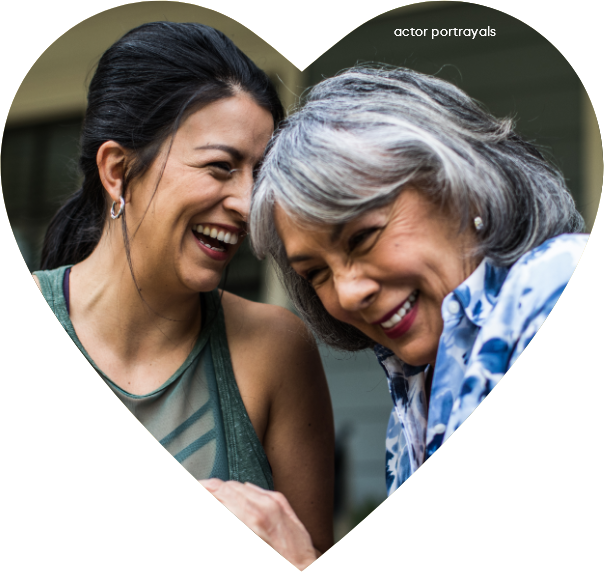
(406, 218)
(364, 135)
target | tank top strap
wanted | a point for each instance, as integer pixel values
(246, 456)
(51, 286)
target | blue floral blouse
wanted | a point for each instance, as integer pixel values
(488, 321)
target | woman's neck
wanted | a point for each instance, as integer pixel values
(132, 321)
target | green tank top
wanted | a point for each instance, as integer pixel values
(198, 414)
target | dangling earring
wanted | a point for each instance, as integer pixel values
(120, 212)
(477, 223)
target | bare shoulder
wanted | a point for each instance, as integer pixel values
(271, 350)
(37, 281)
(264, 324)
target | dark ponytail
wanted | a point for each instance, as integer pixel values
(143, 87)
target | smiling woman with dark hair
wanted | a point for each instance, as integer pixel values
(407, 219)
(176, 126)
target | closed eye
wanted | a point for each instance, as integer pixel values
(221, 170)
(222, 165)
(360, 238)
(314, 276)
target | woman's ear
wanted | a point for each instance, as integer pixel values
(111, 163)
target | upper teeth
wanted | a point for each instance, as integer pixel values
(218, 234)
(402, 311)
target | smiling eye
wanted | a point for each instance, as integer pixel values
(360, 237)
(222, 166)
(313, 276)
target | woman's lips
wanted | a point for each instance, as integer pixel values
(404, 325)
(395, 315)
(209, 251)
(223, 233)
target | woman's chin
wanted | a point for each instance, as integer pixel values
(201, 280)
(415, 355)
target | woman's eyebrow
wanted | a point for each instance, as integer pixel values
(236, 154)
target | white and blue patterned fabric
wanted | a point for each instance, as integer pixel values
(488, 322)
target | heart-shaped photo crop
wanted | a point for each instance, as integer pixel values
(286, 279)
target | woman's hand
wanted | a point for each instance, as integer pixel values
(269, 515)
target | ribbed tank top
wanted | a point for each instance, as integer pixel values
(198, 414)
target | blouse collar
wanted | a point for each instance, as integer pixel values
(477, 296)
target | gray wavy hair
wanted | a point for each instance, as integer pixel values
(365, 135)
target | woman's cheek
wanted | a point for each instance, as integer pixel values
(331, 304)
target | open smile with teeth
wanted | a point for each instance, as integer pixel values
(213, 234)
(402, 312)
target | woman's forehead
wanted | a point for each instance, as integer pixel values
(289, 216)
(410, 209)
(286, 218)
(298, 233)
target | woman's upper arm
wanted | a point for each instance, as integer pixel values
(299, 439)
(283, 386)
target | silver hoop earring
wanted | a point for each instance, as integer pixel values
(477, 223)
(120, 212)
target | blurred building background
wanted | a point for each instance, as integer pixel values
(515, 73)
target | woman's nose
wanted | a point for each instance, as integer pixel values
(240, 194)
(355, 292)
